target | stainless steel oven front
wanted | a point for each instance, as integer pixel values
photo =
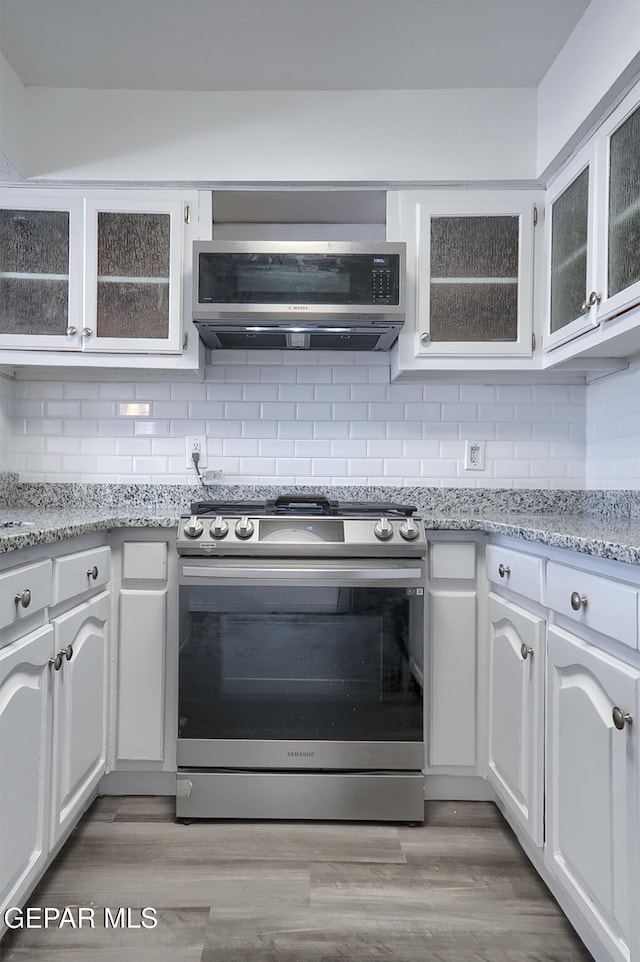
(301, 687)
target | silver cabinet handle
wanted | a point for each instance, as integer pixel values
(621, 718)
(525, 651)
(56, 662)
(590, 301)
(504, 570)
(93, 573)
(425, 337)
(578, 601)
(87, 332)
(72, 331)
(23, 598)
(66, 652)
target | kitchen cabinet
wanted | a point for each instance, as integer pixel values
(144, 683)
(592, 238)
(593, 762)
(79, 709)
(53, 701)
(25, 759)
(452, 729)
(101, 274)
(469, 276)
(516, 712)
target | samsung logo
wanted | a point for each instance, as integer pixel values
(301, 754)
(299, 307)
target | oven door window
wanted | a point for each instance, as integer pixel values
(301, 662)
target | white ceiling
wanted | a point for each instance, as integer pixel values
(284, 44)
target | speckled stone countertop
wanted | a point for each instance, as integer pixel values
(604, 524)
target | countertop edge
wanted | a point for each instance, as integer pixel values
(542, 531)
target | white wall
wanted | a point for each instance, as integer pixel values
(613, 430)
(604, 46)
(266, 136)
(307, 418)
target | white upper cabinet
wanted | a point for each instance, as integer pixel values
(469, 274)
(94, 273)
(592, 236)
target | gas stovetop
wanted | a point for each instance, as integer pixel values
(293, 524)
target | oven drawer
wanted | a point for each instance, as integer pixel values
(395, 797)
(228, 571)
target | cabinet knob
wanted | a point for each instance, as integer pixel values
(621, 718)
(93, 573)
(525, 651)
(66, 652)
(425, 337)
(504, 570)
(56, 662)
(578, 601)
(72, 331)
(87, 332)
(23, 598)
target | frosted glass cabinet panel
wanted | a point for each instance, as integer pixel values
(133, 275)
(469, 272)
(624, 206)
(38, 269)
(593, 236)
(474, 279)
(569, 236)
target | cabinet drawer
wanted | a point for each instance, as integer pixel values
(24, 591)
(76, 573)
(515, 570)
(595, 601)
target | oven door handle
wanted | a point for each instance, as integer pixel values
(296, 573)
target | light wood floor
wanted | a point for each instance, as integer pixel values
(458, 889)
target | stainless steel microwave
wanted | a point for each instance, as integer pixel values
(293, 294)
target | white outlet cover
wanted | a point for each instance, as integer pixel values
(196, 442)
(474, 456)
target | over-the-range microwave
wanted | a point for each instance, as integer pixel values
(326, 295)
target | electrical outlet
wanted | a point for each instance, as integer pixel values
(474, 456)
(196, 443)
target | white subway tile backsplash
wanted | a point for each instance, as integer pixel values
(327, 418)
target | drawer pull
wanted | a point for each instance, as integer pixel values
(23, 598)
(503, 570)
(57, 661)
(525, 651)
(621, 718)
(93, 573)
(578, 601)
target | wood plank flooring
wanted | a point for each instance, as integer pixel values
(458, 889)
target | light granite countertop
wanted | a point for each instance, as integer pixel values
(601, 524)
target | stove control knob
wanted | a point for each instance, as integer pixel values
(244, 528)
(383, 529)
(409, 530)
(194, 527)
(219, 528)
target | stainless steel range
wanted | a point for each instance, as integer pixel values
(300, 666)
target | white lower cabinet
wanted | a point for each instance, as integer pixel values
(79, 709)
(452, 658)
(25, 753)
(53, 708)
(516, 713)
(593, 762)
(144, 681)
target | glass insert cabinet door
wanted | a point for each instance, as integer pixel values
(621, 285)
(134, 268)
(474, 285)
(40, 271)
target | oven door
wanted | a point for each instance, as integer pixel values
(305, 664)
